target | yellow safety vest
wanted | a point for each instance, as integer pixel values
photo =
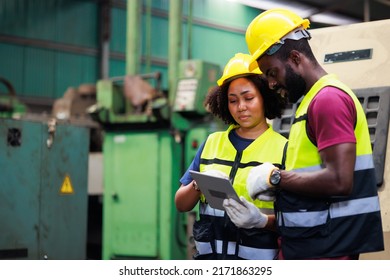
(332, 226)
(226, 240)
(221, 155)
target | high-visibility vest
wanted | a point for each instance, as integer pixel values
(225, 240)
(329, 226)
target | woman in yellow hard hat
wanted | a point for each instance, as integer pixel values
(242, 100)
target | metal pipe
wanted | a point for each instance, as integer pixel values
(148, 39)
(105, 34)
(189, 30)
(132, 37)
(174, 39)
(366, 10)
(51, 45)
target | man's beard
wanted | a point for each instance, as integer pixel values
(295, 85)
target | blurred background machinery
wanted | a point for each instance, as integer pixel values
(147, 146)
(43, 189)
(10, 105)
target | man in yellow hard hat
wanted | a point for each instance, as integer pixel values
(326, 199)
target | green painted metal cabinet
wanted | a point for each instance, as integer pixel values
(141, 175)
(43, 190)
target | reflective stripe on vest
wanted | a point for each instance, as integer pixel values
(362, 162)
(244, 252)
(336, 210)
(206, 209)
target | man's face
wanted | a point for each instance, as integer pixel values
(295, 85)
(282, 77)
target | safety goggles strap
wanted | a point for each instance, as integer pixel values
(296, 34)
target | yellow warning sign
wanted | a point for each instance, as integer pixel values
(66, 187)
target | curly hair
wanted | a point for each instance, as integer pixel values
(217, 100)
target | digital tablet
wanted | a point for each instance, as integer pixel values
(215, 189)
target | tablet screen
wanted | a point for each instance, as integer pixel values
(215, 189)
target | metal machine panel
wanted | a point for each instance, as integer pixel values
(43, 191)
(194, 81)
(194, 139)
(350, 43)
(141, 174)
(19, 195)
(130, 214)
(196, 77)
(64, 194)
(376, 105)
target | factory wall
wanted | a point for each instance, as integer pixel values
(47, 46)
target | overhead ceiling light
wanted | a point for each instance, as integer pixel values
(333, 19)
(302, 10)
(267, 4)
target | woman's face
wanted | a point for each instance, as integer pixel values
(245, 103)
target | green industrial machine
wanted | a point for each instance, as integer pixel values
(146, 149)
(43, 190)
(10, 106)
(130, 99)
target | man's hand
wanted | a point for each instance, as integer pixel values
(258, 184)
(245, 215)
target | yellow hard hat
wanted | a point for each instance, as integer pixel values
(236, 67)
(269, 28)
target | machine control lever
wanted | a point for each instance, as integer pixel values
(51, 130)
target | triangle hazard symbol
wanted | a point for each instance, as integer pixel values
(66, 187)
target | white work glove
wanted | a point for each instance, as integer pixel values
(258, 184)
(216, 173)
(245, 215)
